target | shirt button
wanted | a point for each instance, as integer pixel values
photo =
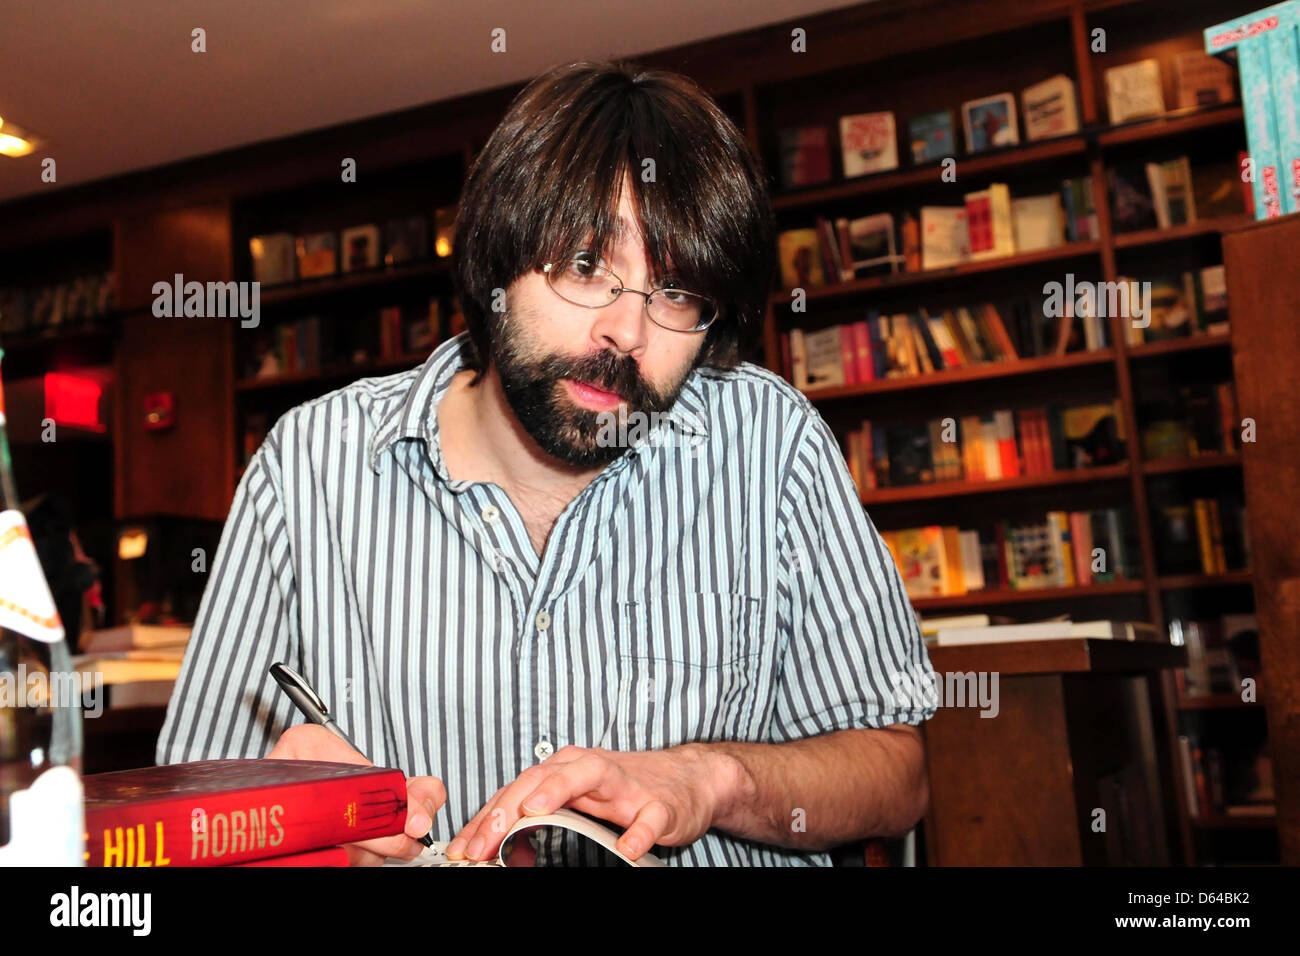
(543, 620)
(490, 514)
(543, 749)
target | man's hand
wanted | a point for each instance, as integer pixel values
(424, 795)
(670, 797)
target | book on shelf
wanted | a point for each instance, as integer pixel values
(945, 236)
(1038, 222)
(990, 223)
(317, 254)
(990, 122)
(406, 240)
(930, 626)
(1134, 91)
(868, 246)
(1201, 536)
(1234, 781)
(800, 256)
(931, 136)
(991, 446)
(360, 247)
(1050, 108)
(952, 636)
(1080, 213)
(805, 153)
(1197, 419)
(933, 561)
(274, 258)
(868, 143)
(1201, 80)
(220, 812)
(73, 303)
(1222, 652)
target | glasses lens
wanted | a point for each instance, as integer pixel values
(582, 280)
(681, 311)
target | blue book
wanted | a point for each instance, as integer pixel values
(930, 135)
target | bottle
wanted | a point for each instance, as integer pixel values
(42, 816)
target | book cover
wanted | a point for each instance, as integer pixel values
(1217, 190)
(406, 240)
(805, 156)
(825, 358)
(990, 123)
(1092, 435)
(945, 237)
(1133, 91)
(274, 258)
(1180, 202)
(931, 136)
(1038, 222)
(216, 812)
(360, 248)
(1244, 34)
(1050, 108)
(317, 255)
(868, 143)
(801, 264)
(1132, 205)
(922, 561)
(871, 245)
(1173, 308)
(1284, 72)
(910, 462)
(1201, 80)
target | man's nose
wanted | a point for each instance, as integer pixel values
(622, 324)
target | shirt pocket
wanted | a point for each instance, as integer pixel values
(690, 667)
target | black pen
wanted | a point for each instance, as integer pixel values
(313, 708)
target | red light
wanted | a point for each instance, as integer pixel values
(73, 401)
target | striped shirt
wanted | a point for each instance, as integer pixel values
(720, 580)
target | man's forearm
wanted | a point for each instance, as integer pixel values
(823, 791)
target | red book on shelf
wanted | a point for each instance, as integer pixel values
(330, 856)
(218, 812)
(862, 341)
(849, 352)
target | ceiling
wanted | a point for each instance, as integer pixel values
(113, 87)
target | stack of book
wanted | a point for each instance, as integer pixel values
(1174, 193)
(138, 663)
(989, 447)
(955, 634)
(1065, 549)
(240, 812)
(79, 302)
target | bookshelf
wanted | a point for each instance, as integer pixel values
(906, 56)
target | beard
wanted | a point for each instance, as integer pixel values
(531, 380)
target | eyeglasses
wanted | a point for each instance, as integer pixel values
(583, 280)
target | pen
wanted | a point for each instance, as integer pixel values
(313, 708)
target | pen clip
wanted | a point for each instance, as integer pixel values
(283, 673)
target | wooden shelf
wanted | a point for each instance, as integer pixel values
(1190, 582)
(1216, 702)
(1068, 250)
(1187, 230)
(1171, 124)
(1012, 596)
(1166, 466)
(329, 373)
(1015, 157)
(950, 489)
(1188, 344)
(332, 285)
(970, 373)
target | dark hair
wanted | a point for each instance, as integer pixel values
(550, 174)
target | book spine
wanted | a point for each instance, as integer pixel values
(1261, 126)
(1284, 70)
(243, 825)
(1204, 537)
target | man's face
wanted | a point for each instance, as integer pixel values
(568, 371)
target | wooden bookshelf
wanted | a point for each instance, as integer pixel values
(863, 54)
(1216, 702)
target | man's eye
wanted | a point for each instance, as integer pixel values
(586, 265)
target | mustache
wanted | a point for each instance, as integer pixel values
(608, 372)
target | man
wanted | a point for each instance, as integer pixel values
(581, 557)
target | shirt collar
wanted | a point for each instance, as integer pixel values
(416, 415)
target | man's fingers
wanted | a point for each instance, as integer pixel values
(650, 824)
(399, 847)
(424, 796)
(314, 742)
(456, 848)
(588, 774)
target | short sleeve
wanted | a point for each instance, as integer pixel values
(225, 704)
(854, 655)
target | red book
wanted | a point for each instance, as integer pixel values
(849, 352)
(218, 812)
(862, 341)
(330, 856)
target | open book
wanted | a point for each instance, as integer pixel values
(517, 850)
